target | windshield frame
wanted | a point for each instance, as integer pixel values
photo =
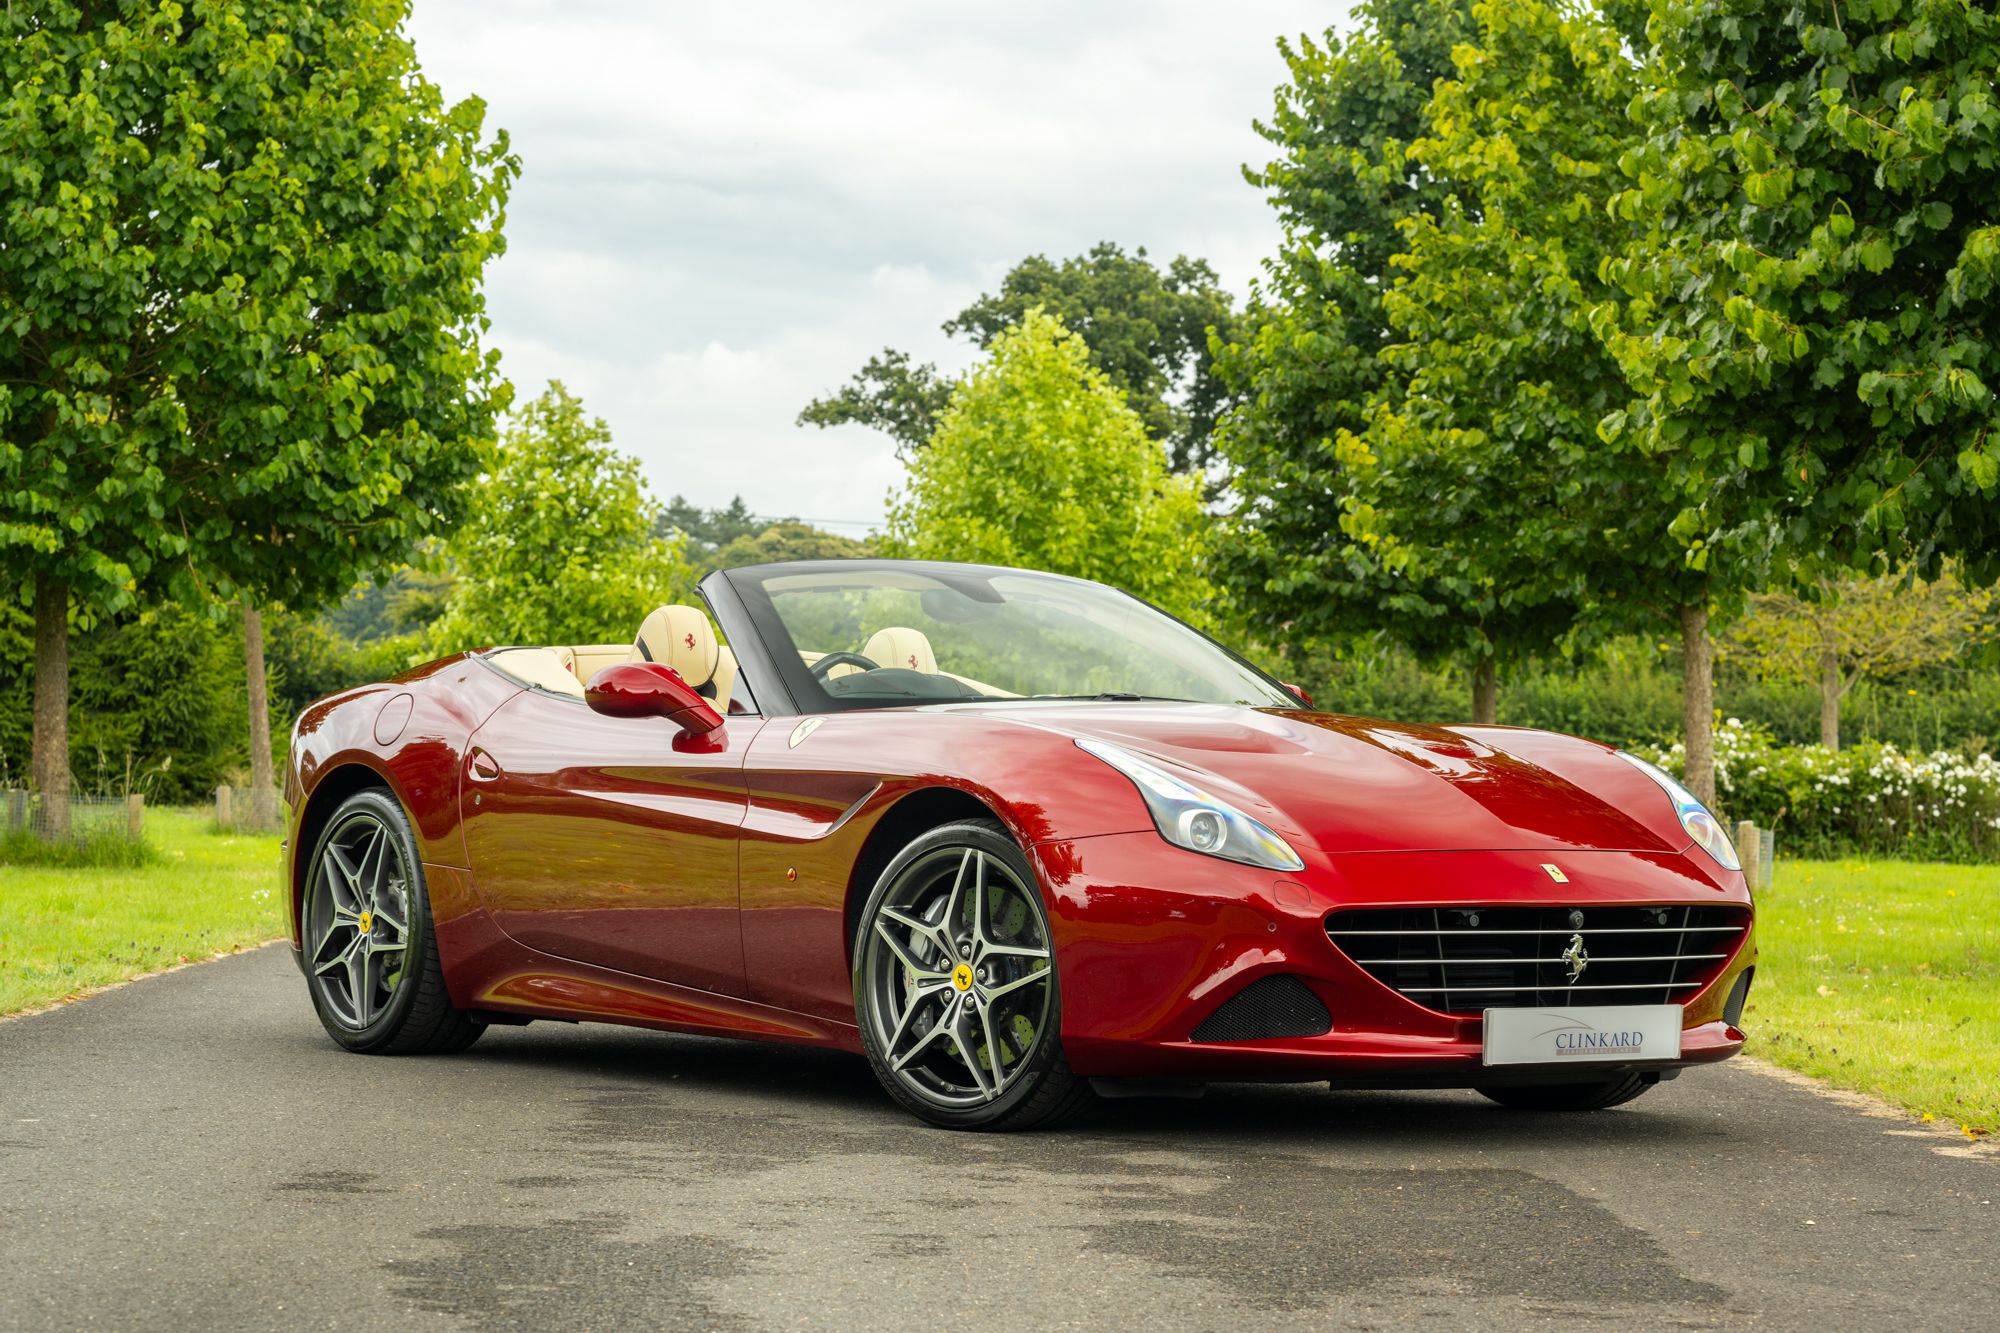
(785, 685)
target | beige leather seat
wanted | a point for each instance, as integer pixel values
(551, 669)
(681, 637)
(900, 646)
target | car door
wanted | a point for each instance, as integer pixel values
(610, 841)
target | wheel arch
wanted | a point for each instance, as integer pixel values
(914, 813)
(333, 787)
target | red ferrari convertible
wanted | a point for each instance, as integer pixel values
(1019, 839)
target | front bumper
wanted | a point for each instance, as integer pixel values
(1152, 939)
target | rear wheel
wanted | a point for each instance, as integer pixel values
(1569, 1096)
(955, 985)
(371, 960)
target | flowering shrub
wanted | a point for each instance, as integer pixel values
(1868, 798)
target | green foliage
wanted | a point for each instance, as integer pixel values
(704, 532)
(1869, 798)
(1307, 367)
(1809, 308)
(790, 540)
(1628, 693)
(560, 545)
(1147, 330)
(240, 313)
(400, 602)
(1039, 463)
(891, 394)
(158, 697)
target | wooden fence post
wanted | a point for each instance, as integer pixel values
(264, 808)
(135, 816)
(1747, 839)
(223, 814)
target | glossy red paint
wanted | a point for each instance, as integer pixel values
(587, 866)
(648, 689)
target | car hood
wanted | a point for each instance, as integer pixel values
(1350, 784)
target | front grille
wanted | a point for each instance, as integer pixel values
(1461, 960)
(1268, 1008)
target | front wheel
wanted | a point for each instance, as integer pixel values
(1569, 1096)
(955, 985)
(371, 959)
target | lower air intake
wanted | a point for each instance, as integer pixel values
(1279, 1006)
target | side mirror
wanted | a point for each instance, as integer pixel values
(647, 689)
(1304, 698)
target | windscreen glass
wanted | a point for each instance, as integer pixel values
(871, 636)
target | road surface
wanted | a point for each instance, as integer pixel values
(191, 1152)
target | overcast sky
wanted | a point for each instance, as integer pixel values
(725, 209)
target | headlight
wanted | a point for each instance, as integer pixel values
(1189, 817)
(1702, 826)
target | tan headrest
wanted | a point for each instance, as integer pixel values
(897, 646)
(682, 638)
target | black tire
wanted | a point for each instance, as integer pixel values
(417, 1016)
(1569, 1096)
(1040, 1091)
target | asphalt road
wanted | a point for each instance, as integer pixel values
(191, 1152)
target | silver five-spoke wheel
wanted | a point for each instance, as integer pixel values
(955, 980)
(357, 919)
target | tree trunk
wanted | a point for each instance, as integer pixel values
(262, 803)
(1485, 692)
(1829, 697)
(1698, 702)
(50, 765)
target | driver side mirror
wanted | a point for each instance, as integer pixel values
(647, 689)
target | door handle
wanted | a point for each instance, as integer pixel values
(483, 767)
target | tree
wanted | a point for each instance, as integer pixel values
(1477, 496)
(1306, 367)
(559, 546)
(1146, 329)
(240, 314)
(789, 540)
(1039, 462)
(890, 394)
(1807, 310)
(1859, 628)
(704, 532)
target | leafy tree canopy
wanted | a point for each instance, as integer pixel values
(240, 313)
(706, 531)
(560, 545)
(1038, 462)
(1811, 312)
(1307, 367)
(790, 540)
(1146, 328)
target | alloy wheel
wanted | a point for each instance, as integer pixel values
(957, 978)
(357, 919)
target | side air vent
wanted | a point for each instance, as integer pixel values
(1279, 1006)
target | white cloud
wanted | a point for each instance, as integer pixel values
(725, 210)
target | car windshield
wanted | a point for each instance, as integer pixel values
(864, 634)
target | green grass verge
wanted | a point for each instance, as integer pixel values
(1884, 977)
(68, 929)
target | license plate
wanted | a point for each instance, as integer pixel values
(1582, 1035)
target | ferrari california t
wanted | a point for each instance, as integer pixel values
(1018, 839)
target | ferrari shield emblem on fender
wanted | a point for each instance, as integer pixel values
(1576, 956)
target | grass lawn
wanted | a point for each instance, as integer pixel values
(67, 930)
(1884, 976)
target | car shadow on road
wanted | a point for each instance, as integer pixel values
(806, 1081)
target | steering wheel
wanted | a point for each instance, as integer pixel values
(832, 660)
